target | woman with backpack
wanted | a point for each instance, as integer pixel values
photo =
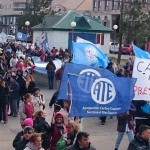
(38, 100)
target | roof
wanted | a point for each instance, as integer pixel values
(63, 23)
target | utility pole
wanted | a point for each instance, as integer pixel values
(120, 31)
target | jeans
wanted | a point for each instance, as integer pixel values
(3, 113)
(51, 80)
(120, 136)
(13, 107)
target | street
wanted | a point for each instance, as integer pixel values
(101, 136)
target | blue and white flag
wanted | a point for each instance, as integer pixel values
(21, 36)
(141, 71)
(88, 54)
(79, 69)
(109, 96)
(45, 44)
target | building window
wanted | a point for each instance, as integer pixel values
(145, 3)
(19, 6)
(106, 4)
(99, 5)
(102, 39)
(94, 4)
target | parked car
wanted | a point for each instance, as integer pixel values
(114, 47)
(127, 49)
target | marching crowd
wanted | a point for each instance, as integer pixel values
(20, 96)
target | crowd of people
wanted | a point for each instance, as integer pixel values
(21, 97)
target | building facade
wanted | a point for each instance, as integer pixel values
(9, 11)
(108, 11)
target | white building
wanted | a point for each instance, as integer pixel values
(59, 32)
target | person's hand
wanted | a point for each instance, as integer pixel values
(68, 141)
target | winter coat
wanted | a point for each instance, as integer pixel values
(3, 95)
(38, 102)
(17, 139)
(57, 130)
(139, 112)
(124, 119)
(15, 93)
(41, 126)
(21, 144)
(30, 146)
(22, 84)
(139, 144)
(26, 110)
(31, 87)
(74, 147)
(50, 68)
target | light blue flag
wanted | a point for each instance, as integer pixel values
(88, 54)
(45, 44)
(141, 53)
(21, 36)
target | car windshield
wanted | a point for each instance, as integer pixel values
(114, 43)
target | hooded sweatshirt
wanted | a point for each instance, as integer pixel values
(30, 146)
(56, 130)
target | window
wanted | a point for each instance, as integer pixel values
(102, 39)
(99, 5)
(19, 6)
(106, 4)
(95, 3)
(98, 37)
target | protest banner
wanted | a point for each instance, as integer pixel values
(107, 96)
(141, 71)
(79, 69)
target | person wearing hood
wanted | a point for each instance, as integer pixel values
(57, 130)
(35, 142)
(141, 140)
(22, 84)
(26, 134)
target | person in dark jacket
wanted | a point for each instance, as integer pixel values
(125, 124)
(14, 96)
(141, 140)
(58, 104)
(82, 143)
(22, 84)
(51, 73)
(41, 126)
(3, 100)
(25, 136)
(141, 118)
(27, 123)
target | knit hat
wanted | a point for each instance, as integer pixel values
(28, 122)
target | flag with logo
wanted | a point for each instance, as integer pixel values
(45, 44)
(141, 71)
(79, 69)
(89, 54)
(107, 96)
(21, 36)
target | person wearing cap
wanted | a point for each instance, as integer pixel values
(22, 138)
(14, 96)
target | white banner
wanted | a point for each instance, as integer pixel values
(141, 71)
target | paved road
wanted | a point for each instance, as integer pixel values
(102, 137)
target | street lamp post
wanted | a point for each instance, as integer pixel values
(115, 27)
(27, 23)
(73, 25)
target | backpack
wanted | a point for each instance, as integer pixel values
(61, 144)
